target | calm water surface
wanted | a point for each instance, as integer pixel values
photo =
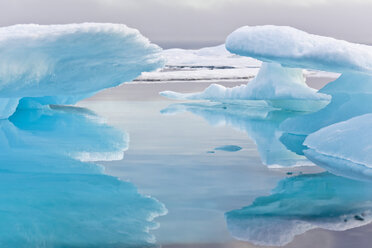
(175, 156)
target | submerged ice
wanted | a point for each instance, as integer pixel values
(62, 64)
(50, 197)
(302, 203)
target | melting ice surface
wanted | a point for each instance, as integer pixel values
(299, 204)
(51, 198)
(62, 64)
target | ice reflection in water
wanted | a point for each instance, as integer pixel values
(302, 203)
(260, 122)
(298, 204)
(50, 198)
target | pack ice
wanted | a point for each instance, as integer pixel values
(62, 64)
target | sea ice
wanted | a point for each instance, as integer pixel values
(351, 97)
(302, 203)
(279, 81)
(61, 64)
(209, 63)
(280, 86)
(297, 49)
(344, 148)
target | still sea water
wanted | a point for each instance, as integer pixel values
(193, 174)
(225, 177)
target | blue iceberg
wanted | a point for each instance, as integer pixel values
(302, 203)
(351, 97)
(50, 197)
(62, 64)
(344, 148)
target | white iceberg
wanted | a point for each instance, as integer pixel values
(280, 81)
(278, 85)
(297, 49)
(61, 64)
(216, 57)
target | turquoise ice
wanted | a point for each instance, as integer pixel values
(49, 197)
(299, 204)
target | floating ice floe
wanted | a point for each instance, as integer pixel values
(280, 86)
(351, 96)
(48, 194)
(62, 64)
(344, 148)
(302, 203)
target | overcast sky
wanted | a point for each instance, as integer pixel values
(197, 23)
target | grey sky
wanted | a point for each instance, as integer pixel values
(196, 23)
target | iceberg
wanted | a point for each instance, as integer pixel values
(257, 119)
(279, 86)
(285, 51)
(297, 49)
(302, 203)
(344, 148)
(280, 82)
(62, 64)
(351, 97)
(51, 195)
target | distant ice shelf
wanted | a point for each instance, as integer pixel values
(207, 64)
